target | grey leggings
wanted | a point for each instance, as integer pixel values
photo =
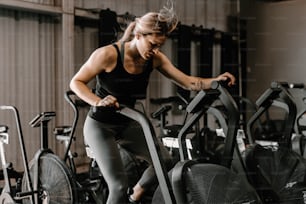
(102, 138)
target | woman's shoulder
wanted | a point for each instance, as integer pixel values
(106, 51)
(104, 57)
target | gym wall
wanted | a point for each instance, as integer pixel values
(276, 43)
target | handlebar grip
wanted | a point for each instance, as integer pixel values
(296, 85)
(287, 85)
(70, 92)
(160, 111)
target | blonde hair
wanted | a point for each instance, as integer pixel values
(162, 22)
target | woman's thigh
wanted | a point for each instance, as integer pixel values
(101, 140)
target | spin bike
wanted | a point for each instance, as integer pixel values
(46, 178)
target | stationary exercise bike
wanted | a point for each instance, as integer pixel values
(91, 183)
(12, 194)
(275, 170)
(51, 178)
(46, 179)
(190, 181)
(298, 93)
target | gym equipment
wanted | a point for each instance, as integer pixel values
(275, 170)
(50, 176)
(7, 172)
(198, 139)
(168, 132)
(8, 195)
(298, 92)
(45, 178)
(190, 181)
(8, 191)
(277, 95)
(91, 184)
(161, 113)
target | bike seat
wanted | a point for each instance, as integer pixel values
(42, 118)
(62, 130)
(62, 133)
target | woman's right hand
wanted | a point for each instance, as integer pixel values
(108, 101)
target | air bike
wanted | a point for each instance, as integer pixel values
(46, 179)
(275, 170)
(191, 181)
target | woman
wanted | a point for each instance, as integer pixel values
(122, 72)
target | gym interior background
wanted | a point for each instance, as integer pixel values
(44, 42)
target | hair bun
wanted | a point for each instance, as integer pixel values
(167, 15)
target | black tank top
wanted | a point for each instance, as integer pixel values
(126, 87)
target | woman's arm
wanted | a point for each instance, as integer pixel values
(100, 60)
(193, 83)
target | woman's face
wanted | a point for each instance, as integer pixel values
(149, 44)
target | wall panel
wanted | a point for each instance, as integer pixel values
(208, 13)
(28, 72)
(47, 2)
(28, 67)
(276, 43)
(8, 76)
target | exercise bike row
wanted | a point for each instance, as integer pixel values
(257, 175)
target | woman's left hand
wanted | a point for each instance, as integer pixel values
(226, 76)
